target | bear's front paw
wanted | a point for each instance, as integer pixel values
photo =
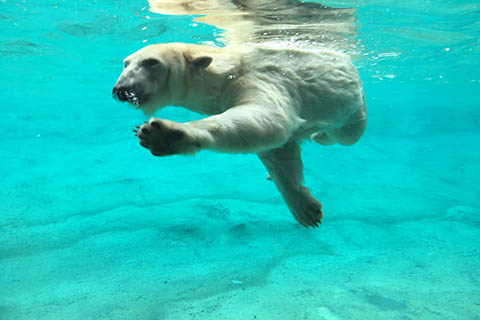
(164, 137)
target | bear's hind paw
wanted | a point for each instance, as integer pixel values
(308, 213)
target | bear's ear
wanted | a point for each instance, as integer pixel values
(202, 62)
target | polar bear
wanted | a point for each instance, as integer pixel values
(258, 99)
(280, 80)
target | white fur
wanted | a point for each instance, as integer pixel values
(260, 100)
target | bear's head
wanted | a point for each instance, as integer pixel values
(158, 75)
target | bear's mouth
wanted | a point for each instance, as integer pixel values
(135, 100)
(129, 97)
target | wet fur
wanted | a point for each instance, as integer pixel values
(259, 98)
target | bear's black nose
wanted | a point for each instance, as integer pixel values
(120, 93)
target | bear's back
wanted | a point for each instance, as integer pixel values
(320, 83)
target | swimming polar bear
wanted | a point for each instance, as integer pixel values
(259, 100)
(275, 84)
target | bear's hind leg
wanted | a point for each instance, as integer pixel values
(350, 133)
(347, 135)
(322, 138)
(286, 169)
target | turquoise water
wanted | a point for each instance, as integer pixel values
(93, 227)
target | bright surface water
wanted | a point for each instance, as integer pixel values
(93, 227)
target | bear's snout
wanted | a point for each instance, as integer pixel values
(120, 93)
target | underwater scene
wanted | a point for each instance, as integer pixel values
(93, 226)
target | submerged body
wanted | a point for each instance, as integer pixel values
(259, 100)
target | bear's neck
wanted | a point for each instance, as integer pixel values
(215, 90)
(209, 100)
(202, 106)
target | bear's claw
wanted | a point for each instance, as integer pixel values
(307, 211)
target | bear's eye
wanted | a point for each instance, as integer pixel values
(151, 62)
(125, 64)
